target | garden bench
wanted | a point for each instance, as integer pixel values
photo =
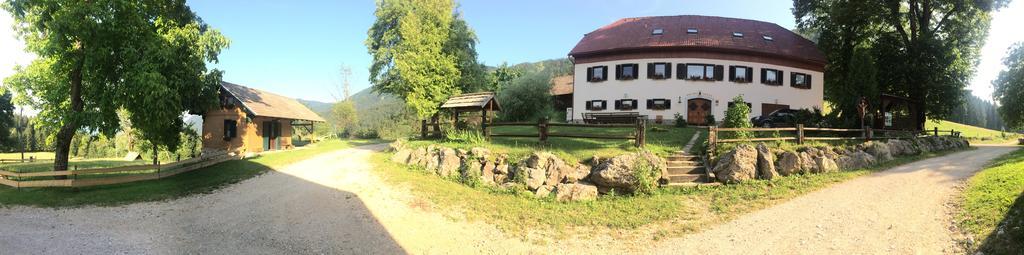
(611, 117)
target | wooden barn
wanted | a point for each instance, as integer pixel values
(252, 120)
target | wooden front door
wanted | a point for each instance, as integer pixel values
(697, 110)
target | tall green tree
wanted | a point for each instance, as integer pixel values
(7, 122)
(1009, 88)
(95, 57)
(461, 44)
(924, 49)
(503, 76)
(407, 45)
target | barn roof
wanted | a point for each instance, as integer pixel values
(561, 85)
(478, 100)
(266, 104)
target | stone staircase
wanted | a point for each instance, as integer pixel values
(687, 170)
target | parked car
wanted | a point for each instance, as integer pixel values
(778, 118)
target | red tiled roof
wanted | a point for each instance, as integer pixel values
(714, 33)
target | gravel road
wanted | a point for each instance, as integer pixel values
(904, 210)
(333, 204)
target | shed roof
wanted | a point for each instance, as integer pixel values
(472, 100)
(713, 33)
(266, 104)
(561, 85)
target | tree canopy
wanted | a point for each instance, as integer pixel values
(409, 58)
(922, 49)
(96, 57)
(1009, 88)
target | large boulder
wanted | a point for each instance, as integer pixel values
(737, 165)
(543, 191)
(879, 150)
(397, 145)
(501, 169)
(418, 157)
(401, 156)
(448, 162)
(617, 172)
(855, 160)
(808, 164)
(789, 163)
(433, 160)
(554, 167)
(487, 173)
(534, 177)
(575, 192)
(826, 165)
(579, 173)
(765, 162)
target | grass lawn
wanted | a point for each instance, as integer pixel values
(993, 206)
(661, 139)
(79, 164)
(199, 181)
(668, 213)
(974, 134)
(17, 155)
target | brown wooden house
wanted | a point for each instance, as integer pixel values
(252, 120)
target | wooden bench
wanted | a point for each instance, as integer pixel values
(611, 117)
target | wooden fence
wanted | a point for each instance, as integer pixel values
(72, 176)
(543, 126)
(798, 134)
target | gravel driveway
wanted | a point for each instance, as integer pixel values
(333, 204)
(904, 210)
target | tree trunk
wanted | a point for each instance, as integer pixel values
(71, 123)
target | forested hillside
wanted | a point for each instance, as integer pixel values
(977, 112)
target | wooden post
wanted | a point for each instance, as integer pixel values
(863, 131)
(712, 141)
(799, 133)
(423, 129)
(483, 123)
(951, 132)
(936, 131)
(542, 128)
(871, 133)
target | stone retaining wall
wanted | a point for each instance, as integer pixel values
(747, 162)
(542, 173)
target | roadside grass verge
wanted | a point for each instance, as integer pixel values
(992, 210)
(669, 212)
(661, 139)
(195, 182)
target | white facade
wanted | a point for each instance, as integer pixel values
(679, 91)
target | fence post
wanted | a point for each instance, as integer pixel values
(542, 127)
(799, 133)
(640, 132)
(712, 141)
(936, 131)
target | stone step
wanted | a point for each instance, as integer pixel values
(692, 184)
(683, 163)
(686, 170)
(686, 178)
(683, 158)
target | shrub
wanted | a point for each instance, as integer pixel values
(646, 177)
(737, 117)
(526, 99)
(464, 136)
(680, 120)
(710, 120)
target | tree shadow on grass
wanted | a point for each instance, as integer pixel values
(1011, 240)
(275, 213)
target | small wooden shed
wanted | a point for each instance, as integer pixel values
(252, 120)
(483, 102)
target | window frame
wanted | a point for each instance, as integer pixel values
(590, 105)
(748, 73)
(230, 129)
(659, 104)
(711, 72)
(654, 66)
(779, 77)
(806, 78)
(620, 74)
(634, 104)
(590, 74)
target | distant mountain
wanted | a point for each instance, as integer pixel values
(321, 108)
(367, 99)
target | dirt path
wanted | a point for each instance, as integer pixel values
(333, 204)
(903, 210)
(329, 204)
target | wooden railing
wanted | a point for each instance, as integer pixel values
(73, 178)
(543, 126)
(798, 135)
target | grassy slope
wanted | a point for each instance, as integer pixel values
(976, 134)
(670, 212)
(993, 203)
(200, 181)
(660, 139)
(17, 155)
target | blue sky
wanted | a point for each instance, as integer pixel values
(295, 48)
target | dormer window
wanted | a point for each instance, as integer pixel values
(658, 31)
(768, 38)
(737, 34)
(691, 31)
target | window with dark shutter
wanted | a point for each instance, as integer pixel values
(597, 73)
(750, 75)
(702, 72)
(800, 80)
(590, 105)
(659, 71)
(719, 72)
(625, 71)
(771, 77)
(590, 74)
(659, 104)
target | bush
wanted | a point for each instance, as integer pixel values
(464, 136)
(680, 120)
(646, 178)
(710, 120)
(737, 117)
(526, 99)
